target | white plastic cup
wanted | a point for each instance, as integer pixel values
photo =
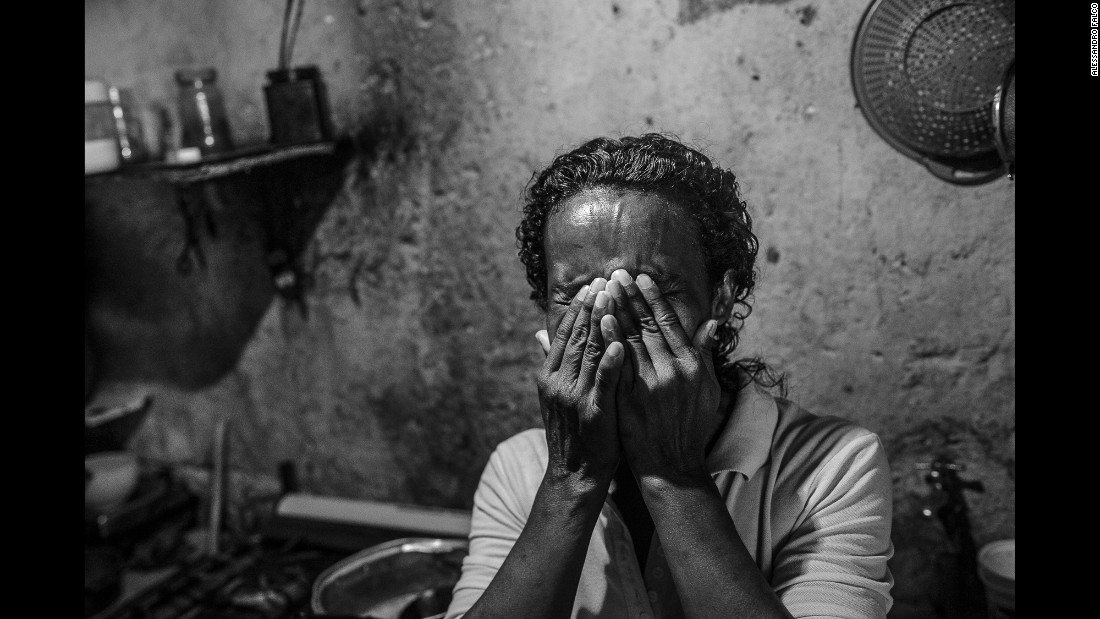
(997, 571)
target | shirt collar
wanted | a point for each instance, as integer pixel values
(745, 441)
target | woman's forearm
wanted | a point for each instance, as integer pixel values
(539, 577)
(714, 573)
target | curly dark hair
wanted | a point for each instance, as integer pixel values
(656, 163)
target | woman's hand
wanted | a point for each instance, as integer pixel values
(668, 401)
(577, 390)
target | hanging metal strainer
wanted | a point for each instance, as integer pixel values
(1004, 119)
(926, 74)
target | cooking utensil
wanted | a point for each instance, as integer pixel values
(407, 577)
(925, 73)
(292, 17)
(218, 486)
(1004, 119)
(297, 106)
(296, 97)
(109, 428)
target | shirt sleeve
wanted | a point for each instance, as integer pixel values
(834, 564)
(499, 515)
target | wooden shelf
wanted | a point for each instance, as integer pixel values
(277, 198)
(221, 165)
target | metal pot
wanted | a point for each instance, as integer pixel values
(407, 578)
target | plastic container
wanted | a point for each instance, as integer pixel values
(297, 106)
(202, 118)
(101, 153)
(997, 571)
(110, 479)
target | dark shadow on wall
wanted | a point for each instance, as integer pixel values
(177, 277)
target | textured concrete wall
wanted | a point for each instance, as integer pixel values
(886, 294)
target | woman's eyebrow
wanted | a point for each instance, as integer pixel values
(570, 288)
(661, 277)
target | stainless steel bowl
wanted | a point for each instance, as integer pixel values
(402, 579)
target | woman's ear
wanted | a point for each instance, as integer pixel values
(721, 305)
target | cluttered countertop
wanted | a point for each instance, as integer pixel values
(157, 548)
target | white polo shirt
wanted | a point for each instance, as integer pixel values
(810, 496)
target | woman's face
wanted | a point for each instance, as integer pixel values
(599, 231)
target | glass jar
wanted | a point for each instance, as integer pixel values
(100, 140)
(128, 127)
(203, 123)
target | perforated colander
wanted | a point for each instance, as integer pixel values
(1004, 119)
(926, 74)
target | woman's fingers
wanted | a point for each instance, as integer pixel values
(607, 377)
(676, 339)
(544, 341)
(628, 317)
(609, 327)
(565, 330)
(578, 340)
(594, 349)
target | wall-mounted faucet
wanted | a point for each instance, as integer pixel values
(964, 594)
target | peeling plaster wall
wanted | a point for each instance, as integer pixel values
(888, 296)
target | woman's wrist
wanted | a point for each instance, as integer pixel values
(648, 465)
(572, 487)
(674, 481)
